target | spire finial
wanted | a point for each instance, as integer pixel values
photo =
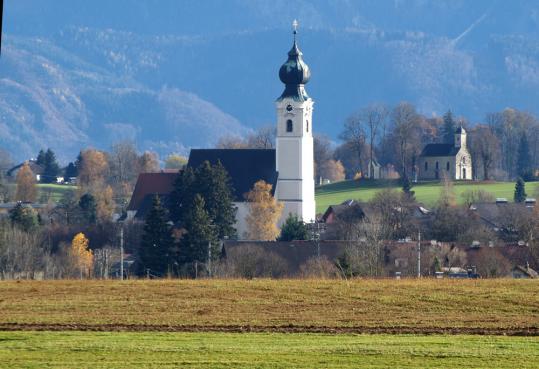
(295, 25)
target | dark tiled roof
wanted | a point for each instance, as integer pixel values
(36, 168)
(149, 184)
(440, 150)
(245, 166)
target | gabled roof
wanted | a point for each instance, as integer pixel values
(150, 184)
(36, 168)
(440, 150)
(244, 166)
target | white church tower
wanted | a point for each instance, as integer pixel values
(295, 164)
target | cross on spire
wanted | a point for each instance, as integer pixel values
(295, 25)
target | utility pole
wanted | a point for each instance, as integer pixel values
(121, 251)
(419, 255)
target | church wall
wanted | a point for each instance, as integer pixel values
(430, 173)
(241, 215)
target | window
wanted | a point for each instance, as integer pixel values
(289, 126)
(426, 166)
(437, 165)
(307, 126)
(447, 166)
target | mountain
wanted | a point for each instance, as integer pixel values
(177, 74)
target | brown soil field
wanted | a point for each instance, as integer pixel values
(496, 306)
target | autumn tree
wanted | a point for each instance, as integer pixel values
(175, 161)
(264, 212)
(81, 257)
(93, 167)
(148, 162)
(322, 153)
(332, 170)
(26, 184)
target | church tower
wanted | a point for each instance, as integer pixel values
(295, 164)
(460, 137)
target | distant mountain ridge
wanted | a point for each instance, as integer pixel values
(172, 75)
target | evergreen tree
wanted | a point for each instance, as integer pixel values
(50, 167)
(520, 190)
(182, 195)
(407, 188)
(88, 207)
(23, 217)
(157, 241)
(214, 185)
(40, 160)
(448, 129)
(201, 235)
(293, 229)
(71, 171)
(524, 159)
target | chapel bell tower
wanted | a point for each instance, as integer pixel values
(295, 164)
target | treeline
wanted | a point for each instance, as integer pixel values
(503, 147)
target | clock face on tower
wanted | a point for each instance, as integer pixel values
(289, 108)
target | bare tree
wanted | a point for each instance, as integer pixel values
(485, 148)
(262, 138)
(405, 121)
(354, 134)
(375, 116)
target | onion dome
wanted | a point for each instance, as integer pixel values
(294, 73)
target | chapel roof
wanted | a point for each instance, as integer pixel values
(440, 149)
(244, 166)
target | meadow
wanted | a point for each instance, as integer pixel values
(426, 192)
(493, 306)
(256, 350)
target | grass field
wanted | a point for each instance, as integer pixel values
(53, 192)
(252, 350)
(270, 324)
(406, 306)
(426, 193)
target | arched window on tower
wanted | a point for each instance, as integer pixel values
(307, 126)
(289, 126)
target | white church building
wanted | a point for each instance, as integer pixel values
(289, 168)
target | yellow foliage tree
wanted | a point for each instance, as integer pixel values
(26, 184)
(264, 212)
(105, 203)
(93, 168)
(81, 257)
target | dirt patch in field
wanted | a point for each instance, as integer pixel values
(530, 331)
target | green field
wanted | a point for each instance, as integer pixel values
(426, 193)
(254, 350)
(364, 323)
(53, 192)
